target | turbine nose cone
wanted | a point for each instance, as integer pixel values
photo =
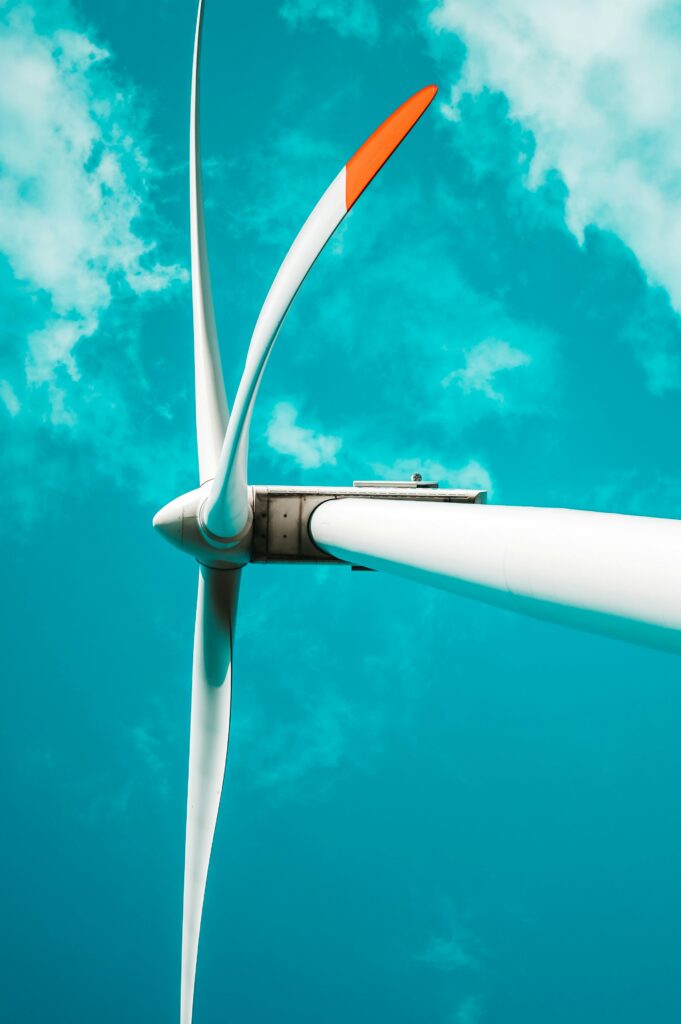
(168, 522)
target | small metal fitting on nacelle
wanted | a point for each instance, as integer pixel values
(416, 482)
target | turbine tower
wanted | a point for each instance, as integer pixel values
(612, 574)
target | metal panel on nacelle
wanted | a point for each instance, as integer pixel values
(281, 515)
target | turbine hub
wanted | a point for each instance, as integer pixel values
(180, 523)
(169, 522)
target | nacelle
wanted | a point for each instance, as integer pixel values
(278, 524)
(281, 515)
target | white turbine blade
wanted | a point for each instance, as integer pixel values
(211, 700)
(226, 511)
(211, 404)
(612, 574)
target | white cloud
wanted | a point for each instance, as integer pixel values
(319, 733)
(308, 448)
(654, 333)
(597, 84)
(79, 250)
(348, 17)
(469, 1011)
(483, 363)
(74, 191)
(316, 743)
(150, 747)
(9, 398)
(447, 954)
(456, 953)
(309, 745)
(455, 950)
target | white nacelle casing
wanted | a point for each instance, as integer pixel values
(278, 523)
(618, 575)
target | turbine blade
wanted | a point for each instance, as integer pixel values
(209, 734)
(226, 512)
(617, 575)
(211, 403)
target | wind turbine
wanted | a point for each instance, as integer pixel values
(617, 575)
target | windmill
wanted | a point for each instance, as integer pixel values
(618, 575)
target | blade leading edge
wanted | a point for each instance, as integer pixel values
(209, 735)
(227, 510)
(211, 403)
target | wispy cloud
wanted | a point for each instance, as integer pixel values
(483, 363)
(79, 246)
(311, 725)
(295, 739)
(9, 398)
(469, 1011)
(596, 83)
(446, 955)
(73, 187)
(654, 333)
(451, 952)
(149, 749)
(303, 754)
(131, 769)
(309, 448)
(358, 18)
(457, 954)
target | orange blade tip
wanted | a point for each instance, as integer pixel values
(370, 157)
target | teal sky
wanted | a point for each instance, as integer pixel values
(434, 812)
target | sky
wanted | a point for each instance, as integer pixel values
(435, 812)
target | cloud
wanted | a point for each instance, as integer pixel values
(72, 190)
(469, 1011)
(447, 955)
(456, 950)
(484, 362)
(308, 448)
(130, 768)
(9, 398)
(654, 333)
(149, 748)
(308, 727)
(597, 85)
(357, 18)
(456, 954)
(81, 249)
(308, 749)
